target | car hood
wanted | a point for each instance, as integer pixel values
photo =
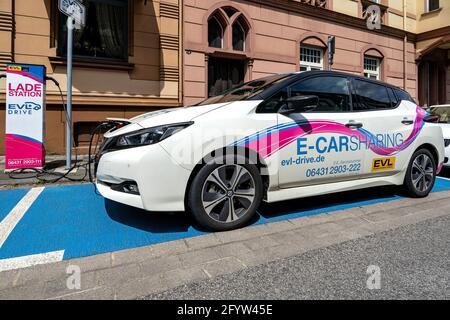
(162, 117)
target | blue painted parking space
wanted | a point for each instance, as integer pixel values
(9, 199)
(82, 223)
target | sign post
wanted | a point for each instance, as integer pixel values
(76, 14)
(69, 93)
(25, 109)
(331, 51)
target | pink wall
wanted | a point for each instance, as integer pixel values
(275, 41)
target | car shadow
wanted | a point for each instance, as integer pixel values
(175, 222)
(272, 210)
(154, 222)
(445, 172)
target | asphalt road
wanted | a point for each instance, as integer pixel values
(414, 262)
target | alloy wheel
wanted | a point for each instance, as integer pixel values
(422, 172)
(228, 192)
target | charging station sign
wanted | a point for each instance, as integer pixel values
(25, 108)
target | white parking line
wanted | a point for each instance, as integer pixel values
(12, 219)
(31, 260)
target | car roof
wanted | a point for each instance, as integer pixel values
(296, 76)
(347, 74)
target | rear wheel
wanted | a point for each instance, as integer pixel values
(224, 197)
(421, 174)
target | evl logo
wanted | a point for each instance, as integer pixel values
(25, 109)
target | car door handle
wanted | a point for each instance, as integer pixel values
(354, 125)
(407, 122)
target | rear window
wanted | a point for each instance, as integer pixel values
(402, 95)
(371, 96)
(442, 112)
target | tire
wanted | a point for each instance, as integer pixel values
(212, 193)
(421, 174)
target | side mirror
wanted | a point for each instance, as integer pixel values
(299, 104)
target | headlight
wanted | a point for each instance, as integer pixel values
(147, 136)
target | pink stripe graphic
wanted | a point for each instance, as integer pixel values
(279, 139)
(23, 153)
(25, 74)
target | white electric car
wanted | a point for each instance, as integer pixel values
(272, 139)
(443, 114)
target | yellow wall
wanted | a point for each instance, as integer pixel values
(432, 20)
(152, 80)
(349, 7)
(417, 20)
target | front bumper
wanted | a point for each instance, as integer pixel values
(161, 181)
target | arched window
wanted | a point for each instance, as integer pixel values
(311, 58)
(215, 33)
(372, 69)
(239, 36)
(372, 63)
(228, 29)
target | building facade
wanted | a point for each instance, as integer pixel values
(135, 56)
(227, 42)
(126, 60)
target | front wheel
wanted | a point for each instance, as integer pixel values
(421, 174)
(225, 197)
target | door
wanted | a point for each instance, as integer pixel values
(224, 74)
(317, 145)
(387, 130)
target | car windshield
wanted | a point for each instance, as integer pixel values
(442, 112)
(245, 90)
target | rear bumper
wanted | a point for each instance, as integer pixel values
(161, 181)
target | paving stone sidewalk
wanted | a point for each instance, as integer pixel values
(139, 272)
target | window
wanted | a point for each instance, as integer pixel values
(105, 34)
(333, 94)
(239, 36)
(432, 5)
(224, 74)
(228, 29)
(371, 96)
(215, 33)
(393, 98)
(444, 115)
(402, 95)
(311, 58)
(372, 68)
(246, 90)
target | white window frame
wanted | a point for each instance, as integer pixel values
(427, 6)
(377, 73)
(309, 65)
